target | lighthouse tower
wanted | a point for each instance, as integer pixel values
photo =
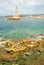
(16, 11)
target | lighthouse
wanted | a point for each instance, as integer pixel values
(16, 16)
(16, 11)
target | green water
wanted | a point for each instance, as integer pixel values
(23, 28)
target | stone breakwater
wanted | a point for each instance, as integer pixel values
(10, 49)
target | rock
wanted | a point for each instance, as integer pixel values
(27, 41)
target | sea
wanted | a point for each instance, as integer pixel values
(23, 28)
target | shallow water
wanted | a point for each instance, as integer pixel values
(24, 28)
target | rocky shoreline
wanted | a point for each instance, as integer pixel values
(10, 49)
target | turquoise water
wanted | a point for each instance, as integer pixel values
(23, 28)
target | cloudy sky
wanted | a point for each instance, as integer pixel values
(7, 7)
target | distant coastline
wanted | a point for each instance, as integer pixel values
(27, 16)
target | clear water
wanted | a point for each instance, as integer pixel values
(23, 28)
